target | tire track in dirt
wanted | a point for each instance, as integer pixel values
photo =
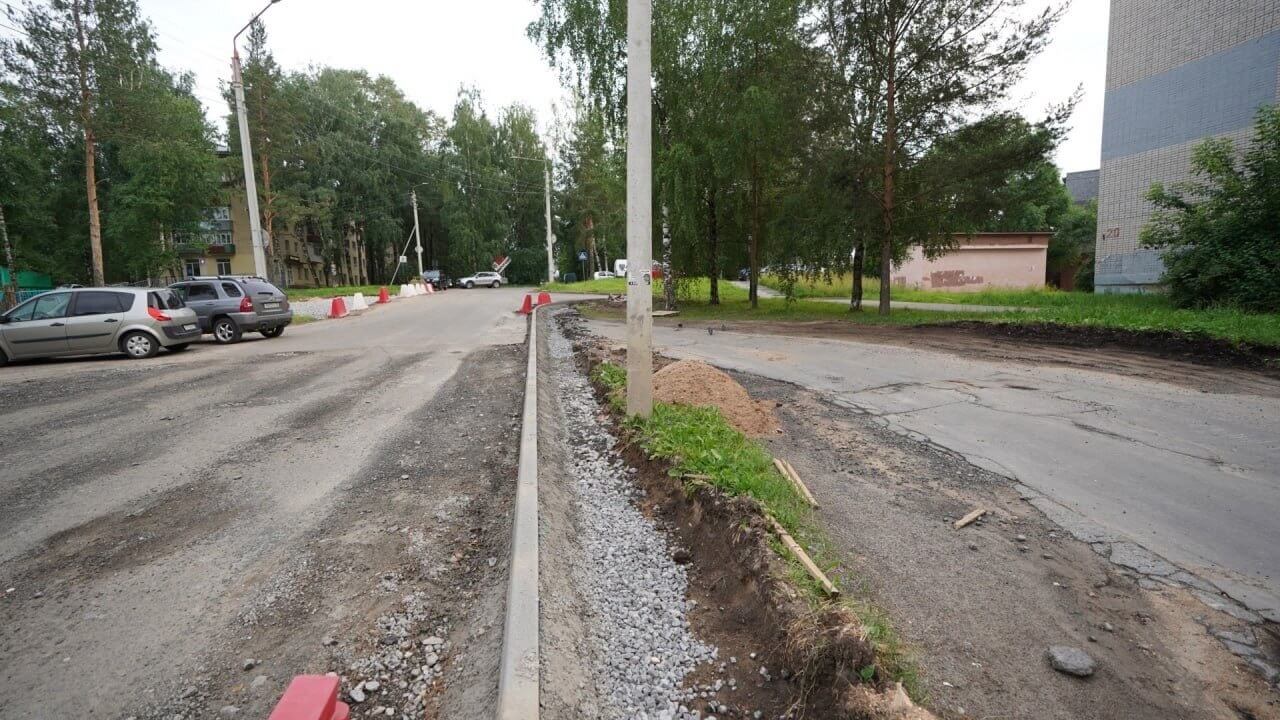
(425, 515)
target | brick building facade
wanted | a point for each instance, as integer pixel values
(1178, 72)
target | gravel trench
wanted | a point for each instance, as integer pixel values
(635, 594)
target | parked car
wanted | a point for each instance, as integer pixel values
(88, 321)
(230, 305)
(491, 279)
(602, 275)
(435, 278)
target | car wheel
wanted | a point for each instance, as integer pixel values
(178, 348)
(4, 359)
(274, 332)
(470, 285)
(139, 345)
(225, 331)
(496, 284)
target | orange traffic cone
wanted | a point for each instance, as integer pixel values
(527, 307)
(544, 298)
(383, 297)
(338, 308)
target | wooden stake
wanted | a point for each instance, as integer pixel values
(804, 558)
(974, 515)
(795, 479)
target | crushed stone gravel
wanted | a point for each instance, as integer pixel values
(635, 591)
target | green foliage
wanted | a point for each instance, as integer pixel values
(1218, 232)
(1073, 244)
(153, 150)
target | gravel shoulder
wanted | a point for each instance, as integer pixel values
(640, 616)
(981, 605)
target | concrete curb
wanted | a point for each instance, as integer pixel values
(519, 667)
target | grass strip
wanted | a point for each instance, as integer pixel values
(1137, 313)
(699, 441)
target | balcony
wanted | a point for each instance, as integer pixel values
(196, 249)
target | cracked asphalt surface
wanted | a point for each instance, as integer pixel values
(155, 514)
(1189, 474)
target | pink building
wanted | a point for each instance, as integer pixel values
(982, 260)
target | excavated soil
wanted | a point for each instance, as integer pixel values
(689, 382)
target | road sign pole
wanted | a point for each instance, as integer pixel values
(639, 213)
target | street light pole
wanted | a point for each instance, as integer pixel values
(246, 153)
(639, 212)
(417, 234)
(551, 239)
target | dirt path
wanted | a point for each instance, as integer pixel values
(982, 604)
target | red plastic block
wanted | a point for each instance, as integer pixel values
(544, 298)
(311, 697)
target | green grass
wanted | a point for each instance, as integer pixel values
(328, 292)
(699, 441)
(609, 286)
(1151, 312)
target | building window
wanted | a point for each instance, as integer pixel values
(192, 267)
(224, 266)
(220, 213)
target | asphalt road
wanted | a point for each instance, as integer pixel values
(146, 506)
(1192, 476)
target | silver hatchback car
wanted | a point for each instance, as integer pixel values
(89, 321)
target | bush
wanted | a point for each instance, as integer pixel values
(1221, 232)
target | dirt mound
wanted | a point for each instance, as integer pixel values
(689, 382)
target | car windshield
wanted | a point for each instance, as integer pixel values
(165, 299)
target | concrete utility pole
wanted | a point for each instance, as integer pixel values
(639, 212)
(413, 194)
(246, 154)
(551, 239)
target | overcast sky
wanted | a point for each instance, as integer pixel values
(431, 47)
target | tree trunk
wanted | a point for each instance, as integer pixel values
(713, 248)
(890, 164)
(10, 288)
(90, 151)
(668, 269)
(859, 261)
(753, 248)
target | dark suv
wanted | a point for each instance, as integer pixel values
(230, 305)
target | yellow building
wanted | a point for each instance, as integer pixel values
(224, 246)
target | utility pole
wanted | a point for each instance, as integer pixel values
(11, 287)
(639, 212)
(413, 195)
(246, 154)
(551, 239)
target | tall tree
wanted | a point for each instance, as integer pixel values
(928, 68)
(86, 74)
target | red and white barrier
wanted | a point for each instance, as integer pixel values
(337, 308)
(359, 303)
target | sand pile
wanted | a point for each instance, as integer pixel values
(689, 382)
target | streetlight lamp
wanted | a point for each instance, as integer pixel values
(250, 181)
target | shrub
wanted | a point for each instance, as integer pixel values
(1221, 231)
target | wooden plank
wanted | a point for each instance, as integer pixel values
(973, 515)
(795, 479)
(782, 470)
(811, 567)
